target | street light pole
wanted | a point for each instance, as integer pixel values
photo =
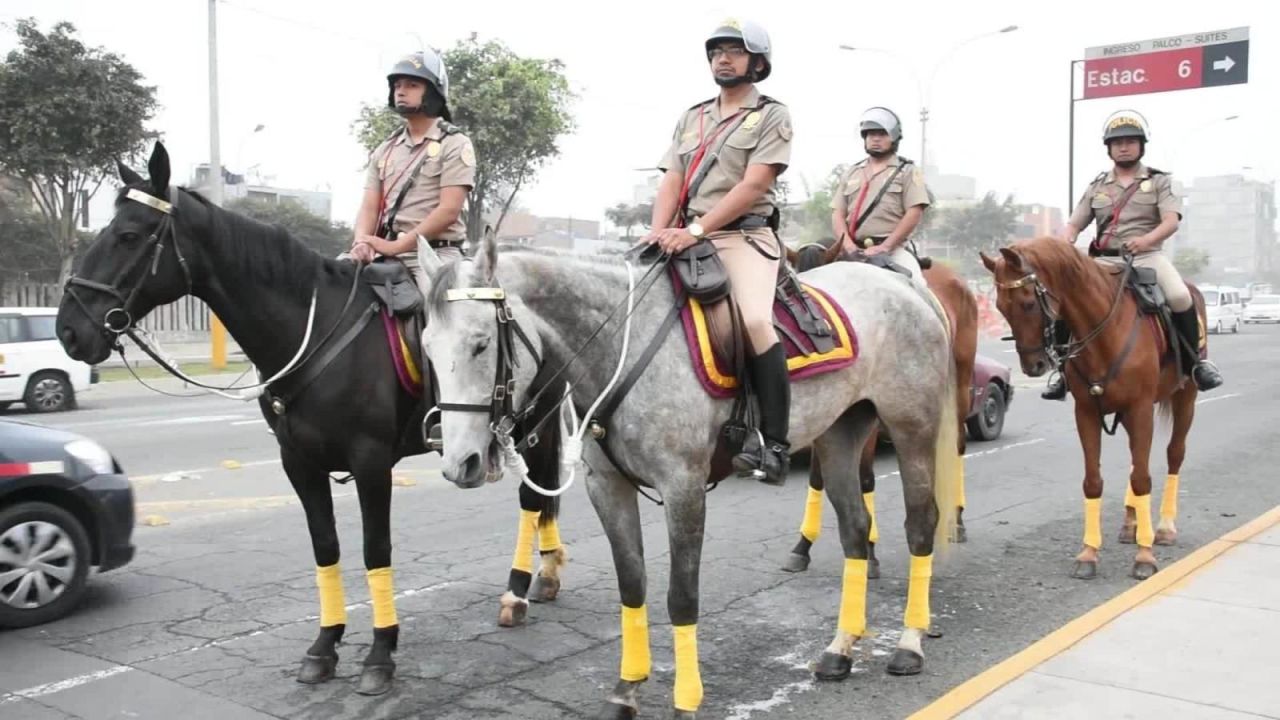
(217, 331)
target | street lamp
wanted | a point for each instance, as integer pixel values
(922, 90)
(240, 148)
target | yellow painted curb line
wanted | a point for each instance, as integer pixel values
(968, 693)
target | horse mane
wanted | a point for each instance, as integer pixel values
(264, 253)
(1064, 269)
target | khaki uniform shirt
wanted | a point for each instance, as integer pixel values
(907, 191)
(450, 161)
(763, 138)
(1140, 215)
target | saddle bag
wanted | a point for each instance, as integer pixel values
(1145, 289)
(701, 272)
(394, 286)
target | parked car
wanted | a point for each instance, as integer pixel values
(34, 369)
(1223, 308)
(65, 505)
(1262, 308)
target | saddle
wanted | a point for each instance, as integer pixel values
(404, 319)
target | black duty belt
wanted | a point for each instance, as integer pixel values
(746, 222)
(437, 244)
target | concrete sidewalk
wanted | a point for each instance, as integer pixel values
(1201, 639)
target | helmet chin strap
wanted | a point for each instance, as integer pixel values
(734, 81)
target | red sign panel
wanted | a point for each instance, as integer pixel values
(1147, 73)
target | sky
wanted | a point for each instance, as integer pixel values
(999, 105)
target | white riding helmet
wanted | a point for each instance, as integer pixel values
(753, 37)
(881, 118)
(1125, 123)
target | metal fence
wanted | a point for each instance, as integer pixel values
(178, 320)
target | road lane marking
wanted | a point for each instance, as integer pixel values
(55, 687)
(979, 453)
(1216, 398)
(146, 421)
(144, 480)
(255, 421)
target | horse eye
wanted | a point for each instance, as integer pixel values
(481, 345)
(1028, 306)
(129, 236)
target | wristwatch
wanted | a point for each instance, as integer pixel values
(696, 231)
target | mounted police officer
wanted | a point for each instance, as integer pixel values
(418, 179)
(720, 187)
(881, 199)
(1136, 210)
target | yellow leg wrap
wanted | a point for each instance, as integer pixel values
(870, 499)
(1146, 534)
(549, 536)
(1130, 500)
(635, 643)
(383, 597)
(917, 614)
(333, 604)
(853, 598)
(688, 690)
(1169, 500)
(811, 526)
(523, 558)
(960, 498)
(1093, 523)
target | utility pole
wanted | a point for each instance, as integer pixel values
(217, 331)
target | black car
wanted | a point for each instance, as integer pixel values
(65, 505)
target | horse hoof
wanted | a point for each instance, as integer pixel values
(905, 662)
(512, 615)
(1143, 570)
(678, 714)
(617, 711)
(1128, 535)
(544, 589)
(1166, 537)
(317, 669)
(833, 666)
(796, 563)
(1085, 571)
(873, 569)
(376, 679)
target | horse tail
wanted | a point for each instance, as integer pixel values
(948, 466)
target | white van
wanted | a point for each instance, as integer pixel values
(1223, 308)
(34, 369)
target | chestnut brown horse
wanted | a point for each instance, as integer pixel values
(1118, 361)
(962, 313)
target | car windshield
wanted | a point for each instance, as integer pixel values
(1210, 297)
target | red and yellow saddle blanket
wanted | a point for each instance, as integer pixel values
(405, 354)
(715, 372)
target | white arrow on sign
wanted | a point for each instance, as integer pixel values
(1225, 64)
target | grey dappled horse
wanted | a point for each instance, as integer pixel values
(665, 430)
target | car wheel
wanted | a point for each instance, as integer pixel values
(48, 392)
(1235, 328)
(1217, 328)
(44, 562)
(989, 421)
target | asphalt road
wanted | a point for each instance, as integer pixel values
(213, 616)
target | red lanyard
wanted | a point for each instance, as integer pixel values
(703, 146)
(857, 208)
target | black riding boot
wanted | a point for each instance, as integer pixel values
(1203, 372)
(1057, 389)
(773, 390)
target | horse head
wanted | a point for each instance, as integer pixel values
(134, 265)
(482, 346)
(810, 255)
(1025, 303)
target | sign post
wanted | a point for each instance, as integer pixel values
(1180, 62)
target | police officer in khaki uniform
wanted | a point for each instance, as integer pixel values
(432, 158)
(1136, 210)
(890, 186)
(720, 187)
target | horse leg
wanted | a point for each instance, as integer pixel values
(686, 521)
(312, 487)
(1140, 425)
(514, 605)
(1184, 410)
(1089, 428)
(855, 525)
(373, 487)
(616, 504)
(867, 482)
(916, 461)
(1129, 528)
(964, 392)
(811, 525)
(544, 470)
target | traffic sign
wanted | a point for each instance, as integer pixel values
(1174, 63)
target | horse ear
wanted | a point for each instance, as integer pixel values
(1011, 258)
(127, 174)
(158, 169)
(428, 260)
(487, 256)
(989, 262)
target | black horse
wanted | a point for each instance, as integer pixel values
(340, 409)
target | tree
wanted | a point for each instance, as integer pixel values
(25, 251)
(327, 238)
(1191, 261)
(984, 227)
(813, 216)
(68, 113)
(514, 109)
(628, 216)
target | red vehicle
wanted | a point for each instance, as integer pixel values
(992, 394)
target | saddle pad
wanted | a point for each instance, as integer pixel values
(403, 355)
(716, 373)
